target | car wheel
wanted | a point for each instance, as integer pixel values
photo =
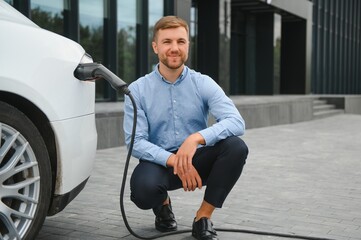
(25, 176)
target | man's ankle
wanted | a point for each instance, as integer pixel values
(205, 210)
(166, 201)
(200, 215)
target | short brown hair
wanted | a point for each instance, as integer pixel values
(169, 22)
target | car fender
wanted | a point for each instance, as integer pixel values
(67, 96)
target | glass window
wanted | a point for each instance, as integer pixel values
(48, 14)
(91, 13)
(11, 2)
(277, 53)
(126, 15)
(193, 29)
(156, 9)
(224, 44)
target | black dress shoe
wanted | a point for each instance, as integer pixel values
(203, 229)
(164, 218)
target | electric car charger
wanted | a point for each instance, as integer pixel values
(93, 71)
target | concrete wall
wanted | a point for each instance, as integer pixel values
(353, 104)
(274, 110)
(109, 124)
(258, 111)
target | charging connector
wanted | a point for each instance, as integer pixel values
(94, 71)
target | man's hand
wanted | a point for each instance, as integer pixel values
(182, 162)
(191, 180)
(185, 153)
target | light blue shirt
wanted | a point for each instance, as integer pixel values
(169, 112)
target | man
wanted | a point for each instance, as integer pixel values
(175, 146)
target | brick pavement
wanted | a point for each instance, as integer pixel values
(302, 178)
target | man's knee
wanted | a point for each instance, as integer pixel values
(237, 148)
(233, 153)
(147, 195)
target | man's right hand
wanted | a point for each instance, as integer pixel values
(190, 178)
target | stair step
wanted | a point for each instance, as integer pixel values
(327, 113)
(319, 102)
(323, 107)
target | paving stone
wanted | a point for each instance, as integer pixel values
(302, 178)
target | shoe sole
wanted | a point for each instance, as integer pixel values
(166, 229)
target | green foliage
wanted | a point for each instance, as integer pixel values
(47, 21)
(92, 41)
(127, 54)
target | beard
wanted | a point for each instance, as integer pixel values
(171, 63)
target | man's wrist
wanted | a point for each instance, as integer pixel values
(170, 161)
(199, 138)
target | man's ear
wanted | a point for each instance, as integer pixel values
(155, 49)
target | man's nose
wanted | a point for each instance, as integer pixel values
(174, 46)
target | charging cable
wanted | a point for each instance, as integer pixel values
(187, 230)
(93, 71)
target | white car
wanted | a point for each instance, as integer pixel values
(48, 136)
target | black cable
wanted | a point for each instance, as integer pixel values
(184, 231)
(271, 234)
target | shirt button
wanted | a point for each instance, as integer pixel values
(176, 133)
(174, 101)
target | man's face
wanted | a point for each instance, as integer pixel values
(172, 45)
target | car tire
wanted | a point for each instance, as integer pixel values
(25, 176)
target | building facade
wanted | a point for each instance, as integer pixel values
(249, 47)
(336, 44)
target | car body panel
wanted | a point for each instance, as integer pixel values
(77, 152)
(38, 65)
(8, 13)
(48, 79)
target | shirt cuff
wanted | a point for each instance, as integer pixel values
(208, 136)
(162, 158)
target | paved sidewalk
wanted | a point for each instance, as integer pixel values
(303, 178)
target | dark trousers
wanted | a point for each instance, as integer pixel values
(219, 166)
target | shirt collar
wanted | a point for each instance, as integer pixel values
(179, 79)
